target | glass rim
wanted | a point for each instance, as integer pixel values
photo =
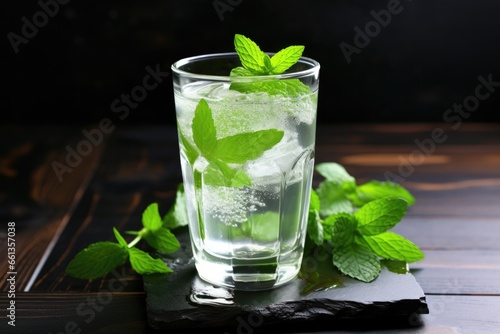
(315, 66)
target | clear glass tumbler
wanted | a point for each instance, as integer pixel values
(247, 159)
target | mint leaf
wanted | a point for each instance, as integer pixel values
(151, 218)
(344, 230)
(162, 240)
(288, 88)
(334, 172)
(97, 260)
(315, 229)
(230, 149)
(144, 264)
(374, 189)
(220, 152)
(220, 174)
(241, 72)
(267, 64)
(204, 132)
(380, 215)
(285, 58)
(314, 202)
(250, 54)
(328, 224)
(189, 150)
(177, 214)
(262, 226)
(119, 238)
(392, 246)
(356, 261)
(333, 199)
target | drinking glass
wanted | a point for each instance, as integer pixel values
(247, 157)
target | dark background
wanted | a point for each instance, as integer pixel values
(88, 53)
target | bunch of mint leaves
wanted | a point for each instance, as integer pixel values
(255, 62)
(354, 221)
(351, 220)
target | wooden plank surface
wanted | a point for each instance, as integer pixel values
(37, 199)
(126, 313)
(455, 220)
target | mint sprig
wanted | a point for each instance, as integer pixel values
(100, 258)
(256, 62)
(356, 223)
(221, 152)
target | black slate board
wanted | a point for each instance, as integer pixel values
(392, 300)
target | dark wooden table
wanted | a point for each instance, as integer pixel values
(64, 187)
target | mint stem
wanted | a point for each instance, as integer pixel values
(136, 239)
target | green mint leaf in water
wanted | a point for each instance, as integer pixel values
(191, 153)
(230, 149)
(236, 149)
(380, 215)
(288, 88)
(220, 174)
(241, 72)
(262, 226)
(97, 260)
(204, 132)
(144, 264)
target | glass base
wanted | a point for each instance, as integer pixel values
(247, 275)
